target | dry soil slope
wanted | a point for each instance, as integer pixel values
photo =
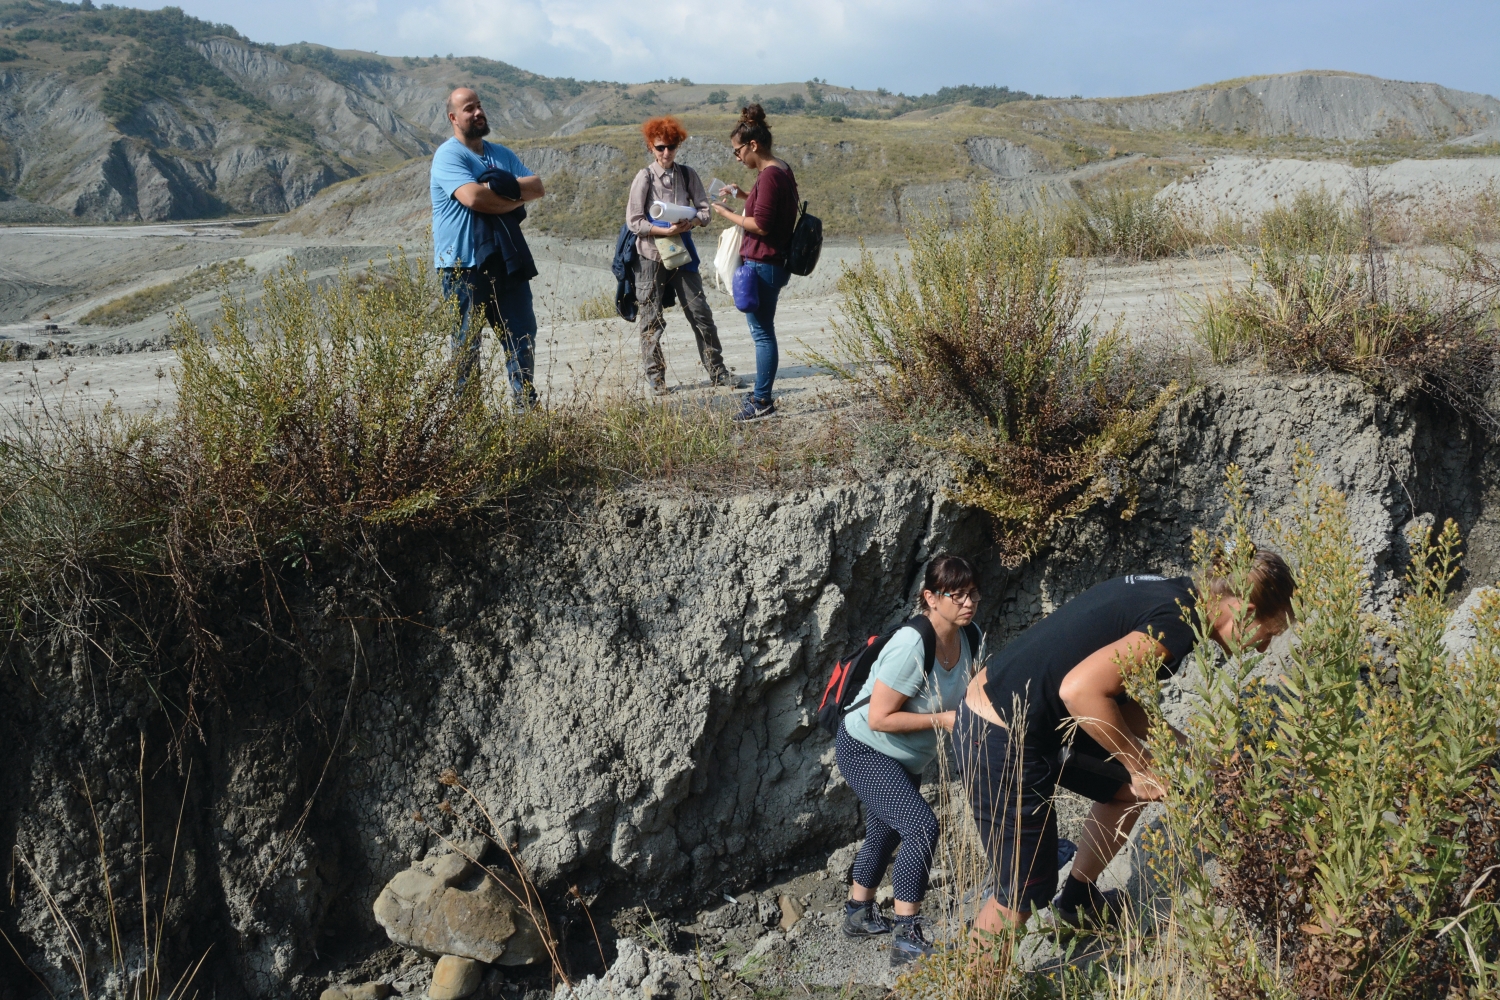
(1345, 107)
(216, 123)
(874, 176)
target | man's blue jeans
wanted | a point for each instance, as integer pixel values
(773, 279)
(506, 305)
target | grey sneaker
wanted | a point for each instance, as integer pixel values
(726, 379)
(866, 921)
(910, 941)
(1098, 913)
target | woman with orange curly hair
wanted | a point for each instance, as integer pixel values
(666, 180)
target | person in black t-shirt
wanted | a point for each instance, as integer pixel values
(1051, 710)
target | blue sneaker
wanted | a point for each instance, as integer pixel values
(754, 409)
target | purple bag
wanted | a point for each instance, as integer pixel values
(746, 288)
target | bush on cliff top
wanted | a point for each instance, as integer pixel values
(984, 327)
(1347, 307)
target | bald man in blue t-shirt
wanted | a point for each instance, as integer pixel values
(464, 249)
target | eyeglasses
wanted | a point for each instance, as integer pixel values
(663, 149)
(737, 150)
(969, 597)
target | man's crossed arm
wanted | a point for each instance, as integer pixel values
(480, 198)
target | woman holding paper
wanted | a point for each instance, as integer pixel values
(770, 216)
(666, 201)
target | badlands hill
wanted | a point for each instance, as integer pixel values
(122, 114)
(869, 175)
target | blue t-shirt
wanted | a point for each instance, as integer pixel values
(453, 166)
(899, 667)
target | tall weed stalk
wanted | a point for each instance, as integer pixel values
(1333, 827)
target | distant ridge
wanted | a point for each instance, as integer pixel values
(113, 113)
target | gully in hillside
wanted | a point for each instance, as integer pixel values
(890, 735)
(1051, 710)
(769, 219)
(676, 185)
(479, 192)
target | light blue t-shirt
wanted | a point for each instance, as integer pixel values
(453, 166)
(899, 667)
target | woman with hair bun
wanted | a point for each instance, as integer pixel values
(1050, 710)
(673, 183)
(770, 216)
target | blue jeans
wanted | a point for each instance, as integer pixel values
(506, 304)
(773, 279)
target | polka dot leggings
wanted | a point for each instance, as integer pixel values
(894, 812)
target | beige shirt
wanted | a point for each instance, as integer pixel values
(655, 184)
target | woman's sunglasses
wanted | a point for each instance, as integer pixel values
(663, 149)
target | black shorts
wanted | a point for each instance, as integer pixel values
(1087, 768)
(1010, 790)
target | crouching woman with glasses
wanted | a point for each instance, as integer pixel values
(887, 740)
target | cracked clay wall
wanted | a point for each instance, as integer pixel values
(630, 692)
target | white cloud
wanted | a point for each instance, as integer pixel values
(1095, 47)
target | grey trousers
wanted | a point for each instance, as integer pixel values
(651, 280)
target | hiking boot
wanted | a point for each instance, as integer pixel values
(660, 388)
(754, 409)
(866, 921)
(726, 379)
(1101, 911)
(910, 941)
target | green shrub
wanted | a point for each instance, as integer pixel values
(1123, 222)
(600, 306)
(339, 407)
(983, 325)
(1313, 221)
(1333, 829)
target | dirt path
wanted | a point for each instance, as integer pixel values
(42, 268)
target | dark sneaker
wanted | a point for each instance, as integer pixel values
(1100, 912)
(910, 941)
(866, 921)
(726, 379)
(754, 409)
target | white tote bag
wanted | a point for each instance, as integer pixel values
(727, 258)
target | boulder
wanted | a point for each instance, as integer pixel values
(458, 910)
(791, 912)
(454, 978)
(364, 991)
(1460, 633)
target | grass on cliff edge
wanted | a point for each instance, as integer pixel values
(325, 419)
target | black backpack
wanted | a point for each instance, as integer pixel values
(807, 244)
(849, 675)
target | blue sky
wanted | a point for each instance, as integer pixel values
(1090, 47)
